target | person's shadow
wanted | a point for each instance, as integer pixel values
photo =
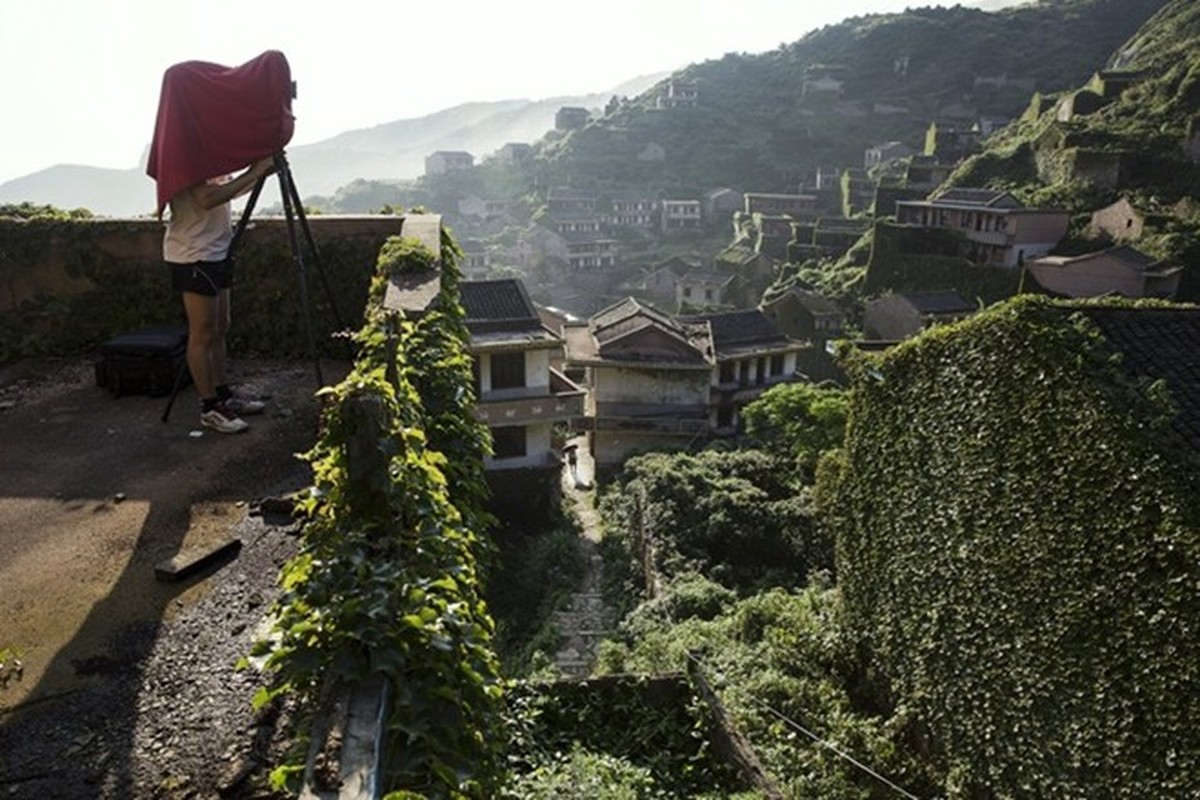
(103, 464)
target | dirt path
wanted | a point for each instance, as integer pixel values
(585, 621)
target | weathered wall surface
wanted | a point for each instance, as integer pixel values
(67, 286)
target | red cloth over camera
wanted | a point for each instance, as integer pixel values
(214, 120)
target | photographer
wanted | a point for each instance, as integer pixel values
(212, 121)
(196, 249)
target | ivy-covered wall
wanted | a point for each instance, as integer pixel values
(1017, 534)
(69, 285)
(905, 259)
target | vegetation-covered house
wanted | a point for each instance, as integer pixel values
(996, 228)
(879, 154)
(675, 93)
(804, 314)
(569, 118)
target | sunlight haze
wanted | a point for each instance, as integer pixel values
(82, 76)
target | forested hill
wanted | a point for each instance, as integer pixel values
(1132, 131)
(764, 122)
(1139, 118)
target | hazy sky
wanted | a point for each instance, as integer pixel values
(81, 77)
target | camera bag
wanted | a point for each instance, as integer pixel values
(144, 362)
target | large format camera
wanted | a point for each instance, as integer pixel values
(213, 120)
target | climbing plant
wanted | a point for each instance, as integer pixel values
(386, 579)
(1017, 549)
(736, 516)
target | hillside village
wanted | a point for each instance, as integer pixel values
(742, 315)
(870, 473)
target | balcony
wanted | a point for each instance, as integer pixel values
(563, 400)
(992, 238)
(666, 425)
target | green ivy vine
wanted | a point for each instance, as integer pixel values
(1016, 528)
(386, 579)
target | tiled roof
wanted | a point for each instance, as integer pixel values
(628, 308)
(815, 302)
(496, 301)
(1159, 344)
(735, 328)
(982, 197)
(737, 254)
(939, 302)
(1132, 255)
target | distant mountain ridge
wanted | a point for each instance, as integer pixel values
(390, 151)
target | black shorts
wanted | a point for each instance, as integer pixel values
(202, 277)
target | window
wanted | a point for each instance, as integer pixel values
(727, 372)
(777, 364)
(508, 370)
(508, 442)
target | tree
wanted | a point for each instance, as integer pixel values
(800, 419)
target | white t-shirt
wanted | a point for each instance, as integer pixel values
(196, 234)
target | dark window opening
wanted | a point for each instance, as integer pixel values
(508, 442)
(508, 371)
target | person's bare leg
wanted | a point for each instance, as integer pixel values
(202, 318)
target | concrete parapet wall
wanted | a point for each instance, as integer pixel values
(66, 286)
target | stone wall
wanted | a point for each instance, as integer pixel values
(67, 286)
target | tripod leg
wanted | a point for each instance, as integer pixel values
(298, 206)
(179, 373)
(289, 210)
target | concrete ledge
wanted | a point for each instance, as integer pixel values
(347, 746)
(192, 560)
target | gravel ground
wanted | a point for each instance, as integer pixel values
(179, 724)
(137, 696)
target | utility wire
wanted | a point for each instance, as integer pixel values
(788, 721)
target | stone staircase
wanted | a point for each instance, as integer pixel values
(583, 623)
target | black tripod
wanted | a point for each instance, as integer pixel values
(293, 211)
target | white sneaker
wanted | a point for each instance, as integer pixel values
(243, 406)
(221, 419)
